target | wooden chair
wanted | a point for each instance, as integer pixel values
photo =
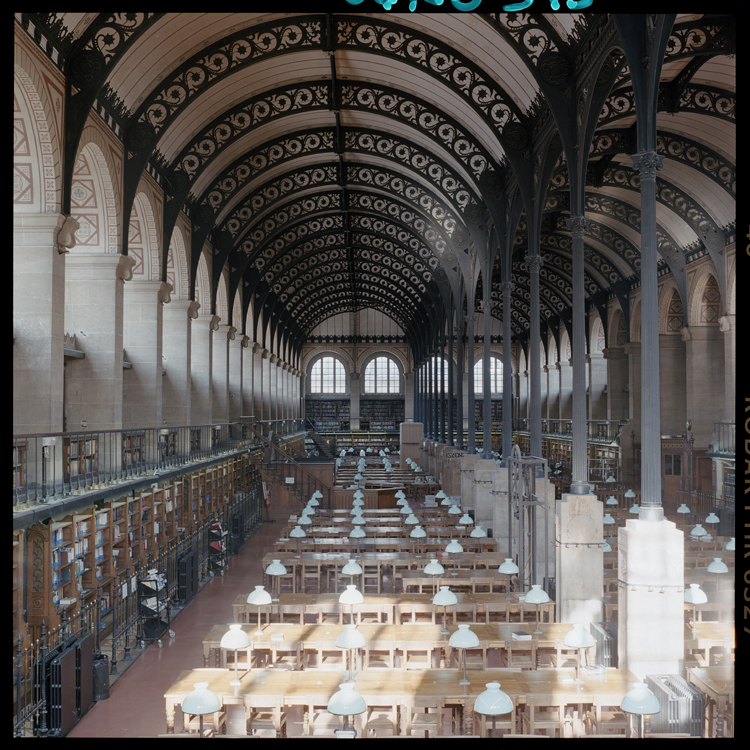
(310, 575)
(266, 721)
(520, 653)
(285, 655)
(476, 658)
(331, 612)
(327, 656)
(416, 655)
(371, 582)
(380, 721)
(318, 722)
(424, 716)
(464, 612)
(379, 655)
(374, 612)
(604, 719)
(294, 613)
(415, 612)
(543, 718)
(498, 611)
(504, 722)
(215, 722)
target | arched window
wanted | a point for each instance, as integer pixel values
(328, 376)
(382, 376)
(436, 371)
(496, 376)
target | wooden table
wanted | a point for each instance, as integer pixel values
(373, 544)
(721, 602)
(456, 579)
(404, 637)
(710, 635)
(399, 689)
(717, 683)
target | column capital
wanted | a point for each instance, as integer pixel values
(125, 267)
(265, 353)
(545, 368)
(273, 359)
(632, 347)
(727, 323)
(534, 262)
(66, 237)
(613, 352)
(577, 224)
(256, 347)
(231, 330)
(245, 342)
(647, 163)
(558, 365)
(354, 376)
(193, 308)
(685, 333)
(213, 323)
(594, 355)
(285, 367)
(164, 295)
(507, 287)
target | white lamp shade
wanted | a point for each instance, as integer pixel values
(358, 495)
(351, 596)
(356, 509)
(357, 532)
(466, 520)
(358, 503)
(712, 518)
(350, 637)
(608, 519)
(446, 501)
(606, 547)
(454, 547)
(478, 532)
(401, 502)
(351, 450)
(343, 453)
(730, 545)
(347, 702)
(276, 569)
(445, 597)
(387, 450)
(717, 566)
(440, 495)
(201, 701)
(313, 501)
(610, 478)
(634, 509)
(640, 700)
(297, 532)
(259, 596)
(579, 637)
(418, 533)
(309, 510)
(454, 510)
(235, 638)
(304, 520)
(418, 469)
(362, 453)
(683, 509)
(464, 638)
(400, 495)
(405, 509)
(358, 477)
(508, 567)
(352, 568)
(434, 568)
(695, 594)
(411, 519)
(698, 531)
(537, 595)
(338, 463)
(317, 494)
(630, 493)
(381, 452)
(493, 701)
(359, 520)
(388, 469)
(611, 500)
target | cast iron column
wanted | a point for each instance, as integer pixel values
(508, 288)
(460, 381)
(647, 163)
(486, 364)
(579, 484)
(451, 382)
(471, 442)
(534, 262)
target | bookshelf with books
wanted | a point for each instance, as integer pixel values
(159, 526)
(80, 457)
(19, 464)
(381, 414)
(119, 534)
(330, 414)
(84, 552)
(133, 450)
(19, 620)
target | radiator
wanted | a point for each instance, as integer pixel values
(681, 705)
(84, 675)
(187, 583)
(606, 646)
(62, 715)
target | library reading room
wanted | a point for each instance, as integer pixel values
(266, 480)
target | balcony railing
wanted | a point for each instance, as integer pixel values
(48, 467)
(722, 441)
(597, 430)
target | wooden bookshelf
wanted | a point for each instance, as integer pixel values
(496, 410)
(381, 414)
(133, 449)
(19, 614)
(19, 465)
(80, 457)
(330, 414)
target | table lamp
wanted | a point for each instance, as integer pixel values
(201, 701)
(358, 477)
(297, 533)
(350, 639)
(606, 547)
(405, 509)
(712, 518)
(356, 509)
(435, 569)
(347, 702)
(418, 469)
(342, 454)
(508, 568)
(446, 501)
(381, 452)
(478, 533)
(362, 454)
(462, 639)
(351, 596)
(276, 569)
(608, 520)
(439, 495)
(357, 533)
(235, 639)
(640, 701)
(358, 503)
(359, 519)
(611, 500)
(411, 520)
(318, 495)
(418, 533)
(698, 531)
(634, 509)
(259, 597)
(444, 598)
(493, 702)
(454, 548)
(387, 450)
(578, 638)
(351, 450)
(630, 495)
(358, 494)
(304, 520)
(454, 510)
(683, 509)
(718, 567)
(730, 545)
(338, 463)
(389, 469)
(695, 595)
(536, 596)
(314, 499)
(352, 569)
(400, 495)
(610, 479)
(309, 510)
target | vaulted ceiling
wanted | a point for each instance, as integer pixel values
(334, 160)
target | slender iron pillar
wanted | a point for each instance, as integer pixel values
(534, 262)
(442, 387)
(647, 163)
(508, 288)
(460, 382)
(471, 447)
(451, 382)
(486, 373)
(579, 484)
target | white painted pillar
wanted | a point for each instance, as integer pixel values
(176, 351)
(409, 395)
(545, 392)
(201, 368)
(38, 324)
(617, 379)
(142, 336)
(727, 325)
(220, 374)
(553, 399)
(566, 389)
(237, 375)
(597, 401)
(94, 312)
(257, 381)
(273, 382)
(266, 385)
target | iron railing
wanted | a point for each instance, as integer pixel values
(47, 467)
(723, 440)
(597, 430)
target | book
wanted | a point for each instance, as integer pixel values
(519, 635)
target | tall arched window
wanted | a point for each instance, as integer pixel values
(496, 376)
(328, 376)
(382, 376)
